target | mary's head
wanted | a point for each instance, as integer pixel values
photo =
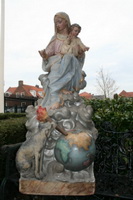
(62, 22)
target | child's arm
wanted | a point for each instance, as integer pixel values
(83, 47)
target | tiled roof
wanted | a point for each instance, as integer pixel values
(86, 95)
(11, 89)
(26, 89)
(126, 94)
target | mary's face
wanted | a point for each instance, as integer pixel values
(60, 23)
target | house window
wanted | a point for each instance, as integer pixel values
(23, 104)
(17, 94)
(7, 94)
(22, 94)
(33, 92)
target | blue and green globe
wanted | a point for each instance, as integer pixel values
(76, 151)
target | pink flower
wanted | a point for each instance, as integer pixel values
(42, 114)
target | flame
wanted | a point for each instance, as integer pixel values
(42, 114)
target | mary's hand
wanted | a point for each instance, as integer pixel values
(43, 54)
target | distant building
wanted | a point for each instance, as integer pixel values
(91, 96)
(126, 94)
(21, 96)
(98, 97)
(23, 90)
(86, 95)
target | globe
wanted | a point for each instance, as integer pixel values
(76, 151)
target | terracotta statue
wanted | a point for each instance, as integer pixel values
(59, 149)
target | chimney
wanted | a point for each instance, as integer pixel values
(20, 83)
(37, 86)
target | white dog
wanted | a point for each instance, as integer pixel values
(29, 156)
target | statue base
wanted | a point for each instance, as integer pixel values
(37, 187)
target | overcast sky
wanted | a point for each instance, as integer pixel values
(107, 28)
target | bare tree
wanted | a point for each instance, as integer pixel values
(105, 83)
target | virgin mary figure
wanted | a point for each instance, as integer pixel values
(65, 73)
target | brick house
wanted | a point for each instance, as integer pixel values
(91, 96)
(22, 95)
(86, 95)
(126, 94)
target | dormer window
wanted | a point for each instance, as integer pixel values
(22, 94)
(33, 92)
(7, 94)
(17, 94)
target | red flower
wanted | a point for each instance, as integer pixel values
(42, 114)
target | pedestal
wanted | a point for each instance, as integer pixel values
(37, 187)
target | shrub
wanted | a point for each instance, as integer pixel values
(114, 120)
(12, 130)
(11, 115)
(118, 113)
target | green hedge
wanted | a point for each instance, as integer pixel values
(113, 119)
(11, 115)
(12, 131)
(118, 112)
